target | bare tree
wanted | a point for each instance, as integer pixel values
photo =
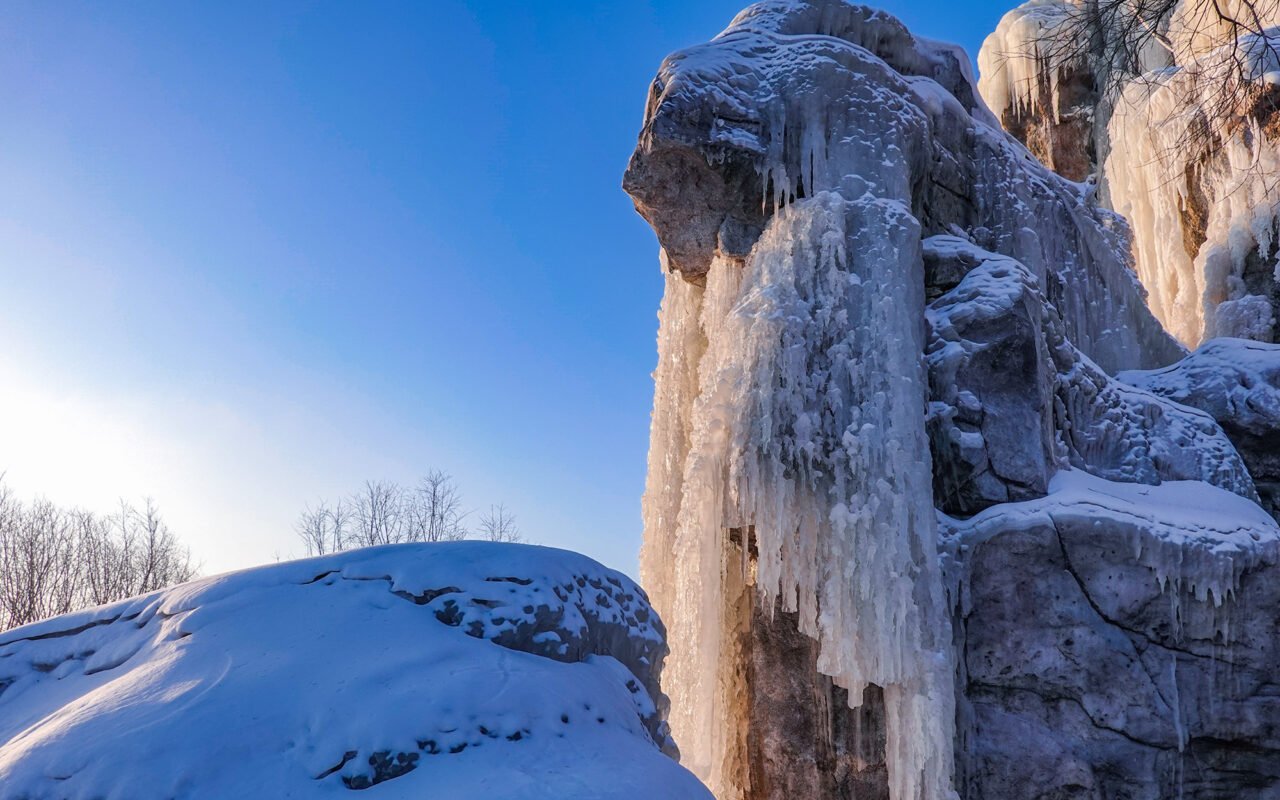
(55, 560)
(387, 513)
(437, 510)
(325, 529)
(499, 525)
(378, 515)
(1223, 49)
(37, 555)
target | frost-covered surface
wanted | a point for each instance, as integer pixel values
(791, 168)
(1013, 399)
(1194, 537)
(1118, 640)
(1010, 65)
(1237, 382)
(820, 181)
(1233, 380)
(445, 670)
(1204, 210)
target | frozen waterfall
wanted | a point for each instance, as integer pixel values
(790, 404)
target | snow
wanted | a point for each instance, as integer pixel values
(310, 677)
(1198, 539)
(1103, 425)
(1234, 379)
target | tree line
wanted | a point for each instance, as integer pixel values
(383, 512)
(54, 560)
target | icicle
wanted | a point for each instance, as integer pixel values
(808, 424)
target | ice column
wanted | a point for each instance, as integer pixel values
(790, 400)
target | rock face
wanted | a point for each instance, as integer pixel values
(729, 137)
(1184, 142)
(824, 187)
(1119, 641)
(1237, 382)
(1013, 398)
(456, 670)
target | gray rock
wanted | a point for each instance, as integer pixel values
(1088, 672)
(1237, 382)
(1013, 399)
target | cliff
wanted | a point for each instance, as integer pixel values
(912, 534)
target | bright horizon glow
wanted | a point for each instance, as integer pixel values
(253, 256)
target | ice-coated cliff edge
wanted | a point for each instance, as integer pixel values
(880, 310)
(1183, 140)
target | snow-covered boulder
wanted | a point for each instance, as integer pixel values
(1237, 382)
(459, 670)
(1118, 640)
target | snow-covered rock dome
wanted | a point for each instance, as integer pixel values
(452, 670)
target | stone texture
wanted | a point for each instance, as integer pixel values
(1084, 677)
(1058, 126)
(795, 734)
(1237, 382)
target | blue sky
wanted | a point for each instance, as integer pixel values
(253, 254)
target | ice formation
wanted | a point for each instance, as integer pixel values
(1019, 59)
(1187, 151)
(806, 427)
(822, 183)
(1206, 288)
(791, 168)
(459, 670)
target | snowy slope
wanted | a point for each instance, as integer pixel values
(459, 670)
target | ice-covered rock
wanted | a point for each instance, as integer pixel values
(1118, 640)
(795, 98)
(451, 670)
(1237, 382)
(1013, 399)
(871, 289)
(1032, 77)
(1185, 141)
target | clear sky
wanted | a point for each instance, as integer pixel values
(252, 254)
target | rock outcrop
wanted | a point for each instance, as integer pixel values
(1118, 640)
(465, 669)
(1012, 398)
(821, 182)
(1237, 382)
(1182, 137)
